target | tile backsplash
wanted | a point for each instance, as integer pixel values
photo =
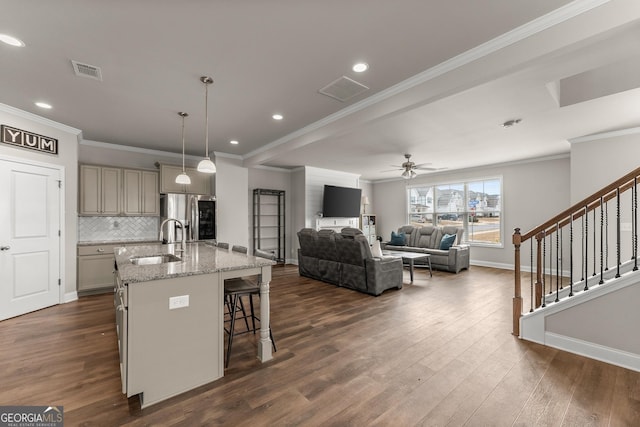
(117, 228)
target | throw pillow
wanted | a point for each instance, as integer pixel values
(447, 241)
(397, 239)
(376, 251)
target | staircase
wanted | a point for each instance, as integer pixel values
(584, 281)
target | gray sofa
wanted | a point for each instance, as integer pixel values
(427, 240)
(345, 259)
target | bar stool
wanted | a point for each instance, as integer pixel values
(229, 283)
(234, 290)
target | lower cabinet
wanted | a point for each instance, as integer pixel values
(95, 268)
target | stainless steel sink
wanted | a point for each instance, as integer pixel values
(155, 259)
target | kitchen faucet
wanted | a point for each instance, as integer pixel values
(184, 231)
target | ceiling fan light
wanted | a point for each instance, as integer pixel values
(413, 174)
(406, 175)
(206, 166)
(183, 178)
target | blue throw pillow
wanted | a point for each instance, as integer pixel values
(447, 241)
(397, 239)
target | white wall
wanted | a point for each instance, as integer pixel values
(533, 192)
(367, 191)
(389, 203)
(609, 320)
(273, 179)
(298, 207)
(232, 201)
(599, 160)
(68, 158)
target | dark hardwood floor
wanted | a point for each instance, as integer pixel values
(437, 353)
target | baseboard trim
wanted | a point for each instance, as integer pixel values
(499, 265)
(70, 296)
(594, 351)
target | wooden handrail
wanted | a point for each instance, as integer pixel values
(592, 202)
(556, 223)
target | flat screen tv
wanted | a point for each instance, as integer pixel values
(341, 202)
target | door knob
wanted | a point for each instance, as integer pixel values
(5, 248)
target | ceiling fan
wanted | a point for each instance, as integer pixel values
(409, 168)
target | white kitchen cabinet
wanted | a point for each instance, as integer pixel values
(140, 192)
(200, 182)
(100, 190)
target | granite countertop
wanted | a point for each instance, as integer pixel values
(115, 242)
(198, 258)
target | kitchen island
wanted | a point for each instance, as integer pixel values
(170, 315)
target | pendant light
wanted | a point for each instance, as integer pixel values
(206, 165)
(183, 178)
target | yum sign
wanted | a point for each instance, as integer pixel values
(24, 139)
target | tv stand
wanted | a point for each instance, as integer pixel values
(336, 224)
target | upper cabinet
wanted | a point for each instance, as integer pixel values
(200, 182)
(100, 190)
(140, 195)
(113, 191)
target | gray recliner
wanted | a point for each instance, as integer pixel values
(345, 259)
(328, 259)
(307, 253)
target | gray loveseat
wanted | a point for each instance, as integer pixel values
(427, 240)
(345, 259)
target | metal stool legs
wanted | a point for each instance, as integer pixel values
(233, 305)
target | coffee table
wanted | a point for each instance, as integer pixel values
(408, 258)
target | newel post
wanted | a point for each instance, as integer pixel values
(517, 298)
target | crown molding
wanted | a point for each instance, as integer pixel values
(605, 135)
(227, 155)
(39, 119)
(273, 169)
(109, 146)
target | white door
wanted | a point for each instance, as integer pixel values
(29, 238)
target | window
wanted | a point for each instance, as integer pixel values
(473, 205)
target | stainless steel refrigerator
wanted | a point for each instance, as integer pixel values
(196, 212)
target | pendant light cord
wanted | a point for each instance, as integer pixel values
(206, 119)
(183, 116)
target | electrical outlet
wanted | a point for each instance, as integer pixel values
(625, 226)
(178, 302)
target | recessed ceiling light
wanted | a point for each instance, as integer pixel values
(277, 117)
(10, 40)
(44, 105)
(360, 67)
(233, 142)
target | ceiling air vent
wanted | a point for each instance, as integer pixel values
(343, 88)
(86, 70)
